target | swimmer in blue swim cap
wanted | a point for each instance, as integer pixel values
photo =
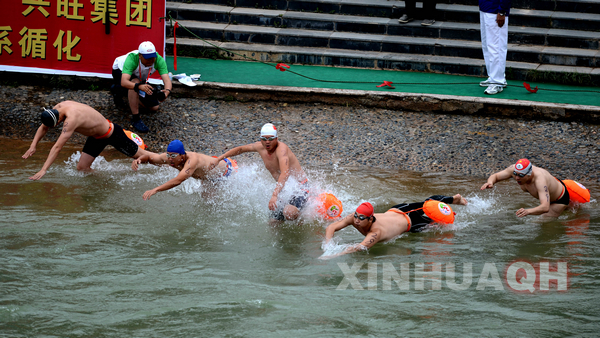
(189, 164)
(83, 119)
(552, 192)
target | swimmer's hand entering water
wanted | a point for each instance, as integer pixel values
(29, 152)
(523, 212)
(487, 185)
(39, 175)
(273, 203)
(149, 194)
(135, 164)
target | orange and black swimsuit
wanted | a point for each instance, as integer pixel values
(110, 128)
(414, 213)
(119, 140)
(564, 197)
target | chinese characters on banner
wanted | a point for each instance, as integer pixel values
(72, 37)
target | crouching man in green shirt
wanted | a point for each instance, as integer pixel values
(137, 67)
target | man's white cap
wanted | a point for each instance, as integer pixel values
(268, 130)
(147, 50)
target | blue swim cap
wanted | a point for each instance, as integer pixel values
(176, 147)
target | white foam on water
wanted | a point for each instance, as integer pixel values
(100, 164)
(333, 247)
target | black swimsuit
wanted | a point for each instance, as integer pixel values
(418, 219)
(565, 198)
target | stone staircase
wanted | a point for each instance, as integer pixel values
(549, 40)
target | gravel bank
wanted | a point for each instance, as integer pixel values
(323, 135)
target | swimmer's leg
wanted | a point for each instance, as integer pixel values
(85, 162)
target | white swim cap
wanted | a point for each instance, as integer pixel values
(268, 129)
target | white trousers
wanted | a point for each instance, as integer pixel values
(494, 41)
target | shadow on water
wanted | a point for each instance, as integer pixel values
(85, 255)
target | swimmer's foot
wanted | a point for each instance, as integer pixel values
(458, 199)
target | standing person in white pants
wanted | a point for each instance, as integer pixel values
(493, 16)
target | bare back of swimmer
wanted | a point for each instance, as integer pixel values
(83, 119)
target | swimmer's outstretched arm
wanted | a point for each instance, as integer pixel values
(233, 152)
(152, 158)
(65, 135)
(184, 174)
(336, 226)
(497, 177)
(39, 134)
(371, 239)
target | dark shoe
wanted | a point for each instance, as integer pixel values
(140, 126)
(405, 19)
(427, 22)
(117, 96)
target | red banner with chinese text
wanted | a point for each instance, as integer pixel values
(76, 36)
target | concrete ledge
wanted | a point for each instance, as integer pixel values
(442, 104)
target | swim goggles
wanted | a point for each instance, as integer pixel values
(172, 155)
(267, 138)
(523, 174)
(361, 217)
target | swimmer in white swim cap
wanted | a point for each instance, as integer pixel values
(281, 162)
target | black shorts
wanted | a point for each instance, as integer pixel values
(298, 200)
(118, 139)
(147, 101)
(565, 199)
(418, 219)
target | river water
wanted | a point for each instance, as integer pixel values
(83, 255)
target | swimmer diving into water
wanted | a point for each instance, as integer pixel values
(188, 163)
(281, 162)
(85, 120)
(552, 192)
(385, 226)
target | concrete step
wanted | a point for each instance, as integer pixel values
(530, 71)
(358, 24)
(580, 6)
(446, 12)
(383, 8)
(385, 43)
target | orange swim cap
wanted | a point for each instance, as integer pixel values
(329, 206)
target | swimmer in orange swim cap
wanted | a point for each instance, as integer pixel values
(401, 218)
(189, 164)
(552, 192)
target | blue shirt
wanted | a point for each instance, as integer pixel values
(495, 6)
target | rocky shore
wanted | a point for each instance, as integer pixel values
(324, 135)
